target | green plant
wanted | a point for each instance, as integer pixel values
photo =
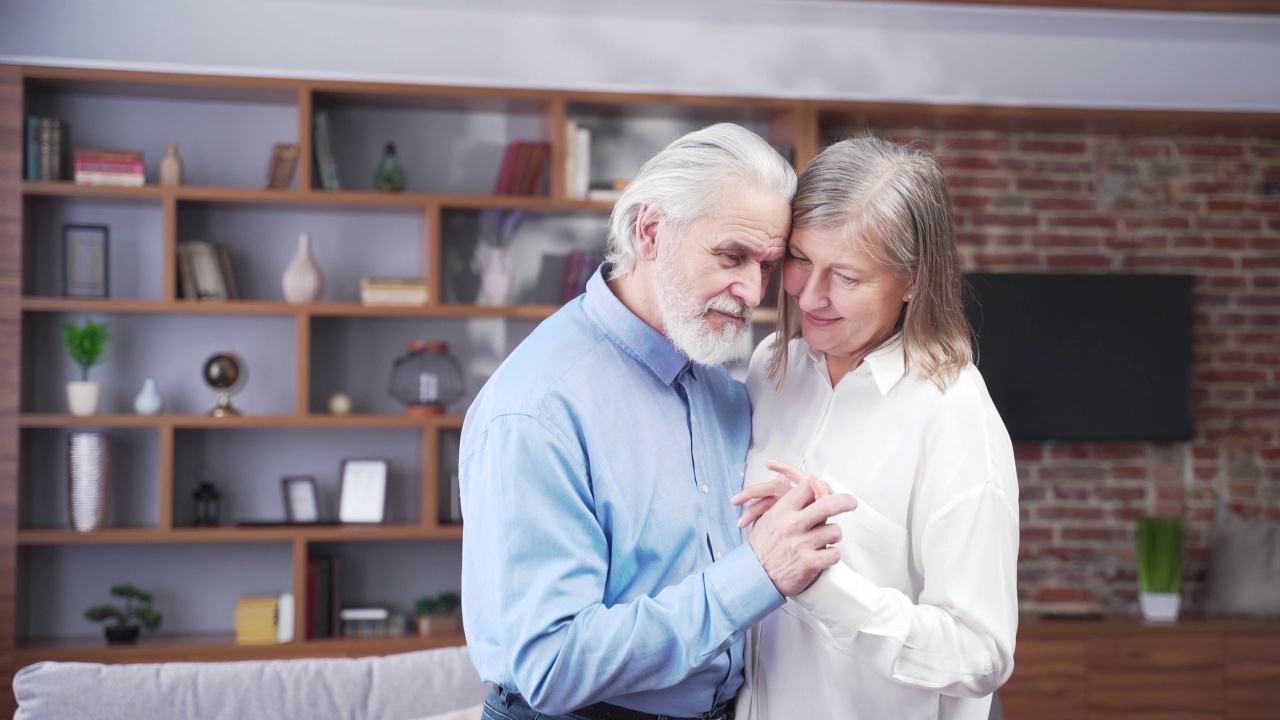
(1160, 554)
(137, 605)
(86, 343)
(443, 604)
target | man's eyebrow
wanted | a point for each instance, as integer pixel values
(745, 249)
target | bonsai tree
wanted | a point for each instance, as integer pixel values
(438, 615)
(86, 343)
(137, 609)
(445, 603)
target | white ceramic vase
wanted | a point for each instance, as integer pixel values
(84, 397)
(1159, 607)
(171, 167)
(88, 479)
(303, 282)
(148, 401)
(496, 278)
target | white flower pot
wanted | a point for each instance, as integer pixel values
(83, 397)
(1159, 607)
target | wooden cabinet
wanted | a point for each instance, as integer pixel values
(1121, 668)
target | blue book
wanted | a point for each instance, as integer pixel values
(33, 147)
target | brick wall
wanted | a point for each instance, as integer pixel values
(1099, 202)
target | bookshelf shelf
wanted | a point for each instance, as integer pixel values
(201, 422)
(163, 647)
(149, 536)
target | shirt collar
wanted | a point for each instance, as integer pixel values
(887, 364)
(633, 335)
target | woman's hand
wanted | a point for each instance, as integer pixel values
(758, 498)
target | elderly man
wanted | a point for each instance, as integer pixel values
(603, 572)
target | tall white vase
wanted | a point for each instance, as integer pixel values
(88, 479)
(303, 282)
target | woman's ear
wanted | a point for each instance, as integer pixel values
(910, 291)
(647, 223)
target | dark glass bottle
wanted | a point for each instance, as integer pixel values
(390, 177)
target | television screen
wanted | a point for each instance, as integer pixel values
(1086, 357)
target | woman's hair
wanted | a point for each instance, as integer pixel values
(892, 201)
(688, 178)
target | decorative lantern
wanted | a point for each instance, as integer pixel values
(426, 379)
(206, 497)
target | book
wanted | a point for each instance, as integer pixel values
(549, 285)
(284, 618)
(204, 271)
(325, 166)
(33, 148)
(284, 159)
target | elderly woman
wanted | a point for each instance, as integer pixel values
(869, 386)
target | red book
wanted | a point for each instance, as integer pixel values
(506, 175)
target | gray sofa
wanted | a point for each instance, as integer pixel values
(407, 686)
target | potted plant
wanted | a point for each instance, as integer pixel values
(439, 615)
(137, 609)
(86, 343)
(1160, 568)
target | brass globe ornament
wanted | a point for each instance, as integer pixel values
(226, 374)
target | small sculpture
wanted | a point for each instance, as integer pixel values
(390, 177)
(171, 167)
(148, 401)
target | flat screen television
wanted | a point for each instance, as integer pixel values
(1086, 357)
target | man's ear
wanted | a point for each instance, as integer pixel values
(647, 223)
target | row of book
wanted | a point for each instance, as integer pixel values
(523, 166)
(46, 139)
(372, 622)
(562, 278)
(264, 619)
(204, 272)
(393, 291)
(122, 168)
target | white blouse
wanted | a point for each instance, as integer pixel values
(918, 619)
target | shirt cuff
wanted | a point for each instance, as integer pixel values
(742, 585)
(840, 599)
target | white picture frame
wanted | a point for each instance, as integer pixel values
(301, 500)
(363, 494)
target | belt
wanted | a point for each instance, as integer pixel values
(605, 711)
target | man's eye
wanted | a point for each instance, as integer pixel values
(732, 258)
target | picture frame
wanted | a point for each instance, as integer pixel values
(284, 159)
(85, 268)
(301, 500)
(363, 494)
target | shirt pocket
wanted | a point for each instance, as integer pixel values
(875, 547)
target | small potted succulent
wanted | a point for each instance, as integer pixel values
(439, 615)
(137, 609)
(86, 343)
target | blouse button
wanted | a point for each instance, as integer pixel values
(705, 489)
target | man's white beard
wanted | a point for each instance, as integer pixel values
(686, 321)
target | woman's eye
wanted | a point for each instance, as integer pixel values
(844, 279)
(798, 260)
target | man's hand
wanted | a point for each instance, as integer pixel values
(791, 539)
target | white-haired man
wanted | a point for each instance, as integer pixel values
(604, 575)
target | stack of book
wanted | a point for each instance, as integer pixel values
(46, 139)
(371, 622)
(393, 291)
(256, 617)
(109, 167)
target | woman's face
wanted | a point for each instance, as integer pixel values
(849, 303)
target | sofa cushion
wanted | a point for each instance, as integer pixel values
(394, 687)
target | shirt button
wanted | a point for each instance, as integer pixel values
(719, 555)
(705, 489)
(692, 418)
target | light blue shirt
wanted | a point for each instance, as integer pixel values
(601, 560)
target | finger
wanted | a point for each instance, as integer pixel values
(769, 488)
(820, 489)
(819, 511)
(752, 512)
(790, 472)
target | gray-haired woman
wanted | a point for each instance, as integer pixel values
(869, 385)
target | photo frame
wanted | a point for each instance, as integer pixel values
(301, 500)
(85, 260)
(363, 494)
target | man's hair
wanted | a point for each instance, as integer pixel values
(892, 201)
(689, 178)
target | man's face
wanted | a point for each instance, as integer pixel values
(710, 278)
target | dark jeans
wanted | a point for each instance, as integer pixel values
(501, 705)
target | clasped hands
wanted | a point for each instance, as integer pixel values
(792, 537)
